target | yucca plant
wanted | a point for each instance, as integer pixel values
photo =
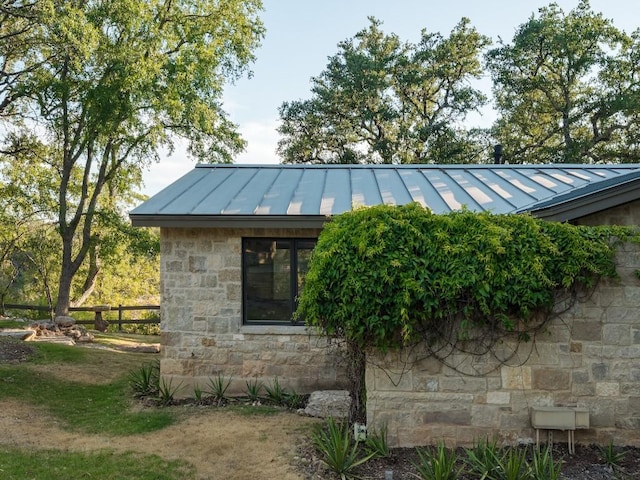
(338, 450)
(254, 387)
(276, 393)
(377, 443)
(167, 392)
(543, 466)
(218, 387)
(483, 459)
(513, 466)
(437, 464)
(612, 456)
(197, 394)
(145, 381)
(294, 400)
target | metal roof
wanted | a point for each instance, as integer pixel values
(277, 195)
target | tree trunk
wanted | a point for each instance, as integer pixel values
(67, 271)
(92, 277)
(64, 292)
(357, 389)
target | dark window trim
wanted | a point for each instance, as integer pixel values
(294, 243)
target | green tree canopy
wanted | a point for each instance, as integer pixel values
(567, 89)
(381, 100)
(90, 91)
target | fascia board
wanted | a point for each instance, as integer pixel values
(229, 221)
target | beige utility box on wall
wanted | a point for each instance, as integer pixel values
(559, 418)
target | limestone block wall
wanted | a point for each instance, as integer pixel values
(202, 330)
(590, 357)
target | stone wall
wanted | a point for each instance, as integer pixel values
(202, 331)
(590, 357)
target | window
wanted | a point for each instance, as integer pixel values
(273, 271)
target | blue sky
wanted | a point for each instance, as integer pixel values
(302, 34)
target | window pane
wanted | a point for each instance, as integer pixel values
(267, 279)
(304, 256)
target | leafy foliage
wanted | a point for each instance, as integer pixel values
(384, 101)
(390, 276)
(276, 393)
(488, 461)
(512, 465)
(92, 91)
(566, 88)
(167, 391)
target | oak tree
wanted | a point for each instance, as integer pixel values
(567, 89)
(91, 91)
(382, 100)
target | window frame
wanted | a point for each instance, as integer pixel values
(295, 244)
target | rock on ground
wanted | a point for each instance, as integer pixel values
(328, 403)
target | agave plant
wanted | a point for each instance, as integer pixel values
(339, 451)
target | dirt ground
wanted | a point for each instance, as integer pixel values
(223, 444)
(219, 443)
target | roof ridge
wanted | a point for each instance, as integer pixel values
(417, 166)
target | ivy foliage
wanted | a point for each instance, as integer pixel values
(390, 276)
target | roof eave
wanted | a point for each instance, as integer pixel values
(229, 221)
(589, 204)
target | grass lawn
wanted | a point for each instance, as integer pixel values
(10, 323)
(111, 338)
(96, 402)
(18, 464)
(101, 407)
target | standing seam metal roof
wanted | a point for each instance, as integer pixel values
(322, 190)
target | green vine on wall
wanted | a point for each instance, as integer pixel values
(387, 277)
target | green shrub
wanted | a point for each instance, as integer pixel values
(386, 276)
(198, 394)
(135, 328)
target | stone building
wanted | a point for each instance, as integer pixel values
(235, 242)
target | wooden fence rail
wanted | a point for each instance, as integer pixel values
(98, 322)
